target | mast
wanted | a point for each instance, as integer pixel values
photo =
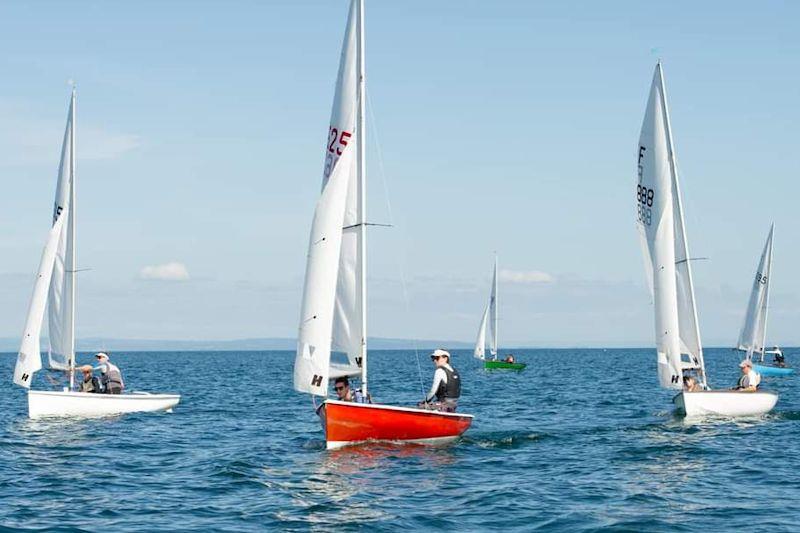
(679, 205)
(494, 318)
(72, 233)
(766, 296)
(362, 192)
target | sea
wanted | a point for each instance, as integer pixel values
(581, 440)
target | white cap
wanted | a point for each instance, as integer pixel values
(745, 363)
(101, 355)
(438, 352)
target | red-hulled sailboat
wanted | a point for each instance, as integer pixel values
(334, 315)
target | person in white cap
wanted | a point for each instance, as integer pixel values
(750, 379)
(110, 376)
(446, 388)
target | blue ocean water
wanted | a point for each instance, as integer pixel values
(582, 440)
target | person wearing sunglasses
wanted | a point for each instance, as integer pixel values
(344, 393)
(446, 388)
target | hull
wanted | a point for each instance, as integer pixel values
(725, 403)
(502, 365)
(81, 404)
(768, 370)
(347, 423)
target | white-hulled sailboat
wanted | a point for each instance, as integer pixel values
(661, 226)
(753, 336)
(334, 312)
(54, 290)
(490, 319)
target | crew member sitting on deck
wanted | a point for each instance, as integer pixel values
(510, 358)
(89, 383)
(345, 394)
(110, 376)
(749, 380)
(446, 387)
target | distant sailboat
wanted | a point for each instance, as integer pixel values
(334, 310)
(753, 336)
(490, 318)
(54, 290)
(661, 225)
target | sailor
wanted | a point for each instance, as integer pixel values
(89, 383)
(779, 359)
(510, 358)
(446, 387)
(110, 376)
(690, 384)
(750, 379)
(344, 393)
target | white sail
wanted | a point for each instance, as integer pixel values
(480, 343)
(312, 362)
(655, 222)
(61, 300)
(29, 359)
(754, 330)
(343, 134)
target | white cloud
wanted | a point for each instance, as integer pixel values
(525, 276)
(173, 271)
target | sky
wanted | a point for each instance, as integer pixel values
(506, 127)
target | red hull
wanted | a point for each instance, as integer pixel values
(352, 423)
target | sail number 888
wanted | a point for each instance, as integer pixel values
(644, 201)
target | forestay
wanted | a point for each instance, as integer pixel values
(29, 359)
(61, 298)
(656, 225)
(753, 335)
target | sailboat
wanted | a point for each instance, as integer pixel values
(334, 306)
(490, 318)
(661, 226)
(54, 291)
(753, 336)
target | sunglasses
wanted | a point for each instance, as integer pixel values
(341, 387)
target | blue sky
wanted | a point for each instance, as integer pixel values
(507, 126)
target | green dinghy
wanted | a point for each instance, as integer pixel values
(490, 319)
(502, 365)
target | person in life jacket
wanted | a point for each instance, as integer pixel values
(750, 379)
(89, 383)
(446, 388)
(346, 394)
(110, 376)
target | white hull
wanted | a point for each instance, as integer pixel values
(82, 404)
(725, 403)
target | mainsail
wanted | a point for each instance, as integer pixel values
(29, 359)
(659, 219)
(61, 298)
(333, 314)
(490, 317)
(754, 330)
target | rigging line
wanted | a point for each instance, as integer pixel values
(401, 262)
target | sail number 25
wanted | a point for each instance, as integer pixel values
(337, 142)
(644, 201)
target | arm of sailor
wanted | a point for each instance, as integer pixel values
(438, 377)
